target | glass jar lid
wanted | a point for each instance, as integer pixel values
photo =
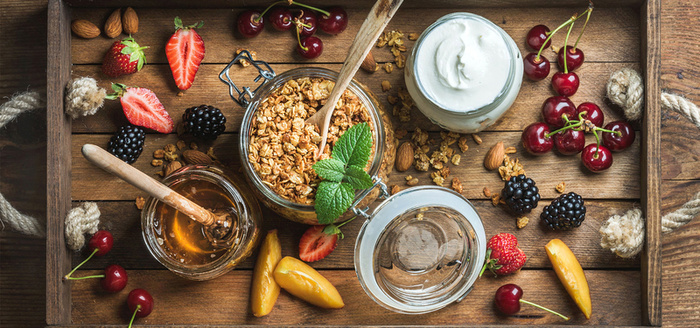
(420, 250)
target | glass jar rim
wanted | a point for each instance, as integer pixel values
(509, 43)
(270, 86)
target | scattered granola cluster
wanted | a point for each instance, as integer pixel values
(561, 187)
(282, 146)
(244, 62)
(402, 103)
(168, 157)
(394, 39)
(510, 168)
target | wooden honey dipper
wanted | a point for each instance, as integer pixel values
(218, 223)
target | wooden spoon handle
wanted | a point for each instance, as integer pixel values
(138, 179)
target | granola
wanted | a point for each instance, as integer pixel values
(283, 146)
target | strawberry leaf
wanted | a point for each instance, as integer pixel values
(333, 229)
(332, 200)
(330, 169)
(354, 146)
(357, 177)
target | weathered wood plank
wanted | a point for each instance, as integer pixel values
(207, 89)
(156, 26)
(123, 220)
(615, 296)
(619, 182)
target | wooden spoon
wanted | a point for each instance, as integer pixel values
(138, 179)
(374, 24)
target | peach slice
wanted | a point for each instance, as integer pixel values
(265, 289)
(570, 274)
(301, 280)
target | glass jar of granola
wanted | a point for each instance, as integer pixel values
(277, 147)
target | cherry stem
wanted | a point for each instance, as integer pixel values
(86, 277)
(290, 3)
(68, 276)
(133, 316)
(544, 308)
(588, 16)
(298, 22)
(550, 36)
(597, 143)
(299, 40)
(346, 222)
(566, 41)
(574, 124)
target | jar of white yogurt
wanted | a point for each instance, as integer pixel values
(464, 72)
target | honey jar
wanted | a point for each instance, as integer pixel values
(185, 246)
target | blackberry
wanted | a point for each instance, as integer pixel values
(564, 213)
(520, 194)
(127, 143)
(204, 121)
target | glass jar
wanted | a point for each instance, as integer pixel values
(420, 250)
(181, 244)
(471, 113)
(381, 163)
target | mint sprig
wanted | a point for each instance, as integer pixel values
(343, 173)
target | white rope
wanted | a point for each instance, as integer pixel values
(79, 221)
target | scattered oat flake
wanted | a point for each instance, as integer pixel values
(521, 222)
(210, 152)
(487, 192)
(561, 187)
(193, 145)
(389, 67)
(386, 85)
(463, 144)
(180, 94)
(170, 148)
(140, 202)
(245, 62)
(400, 133)
(413, 36)
(395, 189)
(412, 181)
(477, 139)
(181, 144)
(457, 185)
(159, 153)
(495, 199)
(392, 99)
(438, 180)
(456, 158)
(511, 150)
(157, 162)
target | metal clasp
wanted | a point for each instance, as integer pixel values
(245, 95)
(384, 194)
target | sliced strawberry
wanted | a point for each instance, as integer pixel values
(316, 244)
(142, 107)
(185, 51)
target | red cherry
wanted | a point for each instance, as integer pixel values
(280, 18)
(593, 113)
(250, 23)
(508, 299)
(101, 241)
(596, 161)
(536, 37)
(555, 107)
(335, 23)
(536, 68)
(617, 142)
(570, 142)
(574, 58)
(307, 17)
(115, 278)
(310, 47)
(565, 84)
(535, 139)
(140, 297)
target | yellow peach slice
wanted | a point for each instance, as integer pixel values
(265, 289)
(570, 274)
(301, 280)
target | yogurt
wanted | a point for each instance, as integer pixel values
(464, 72)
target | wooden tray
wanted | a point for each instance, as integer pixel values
(625, 292)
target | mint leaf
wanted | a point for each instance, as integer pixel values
(330, 169)
(332, 200)
(357, 177)
(354, 146)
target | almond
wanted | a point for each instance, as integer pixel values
(404, 157)
(196, 157)
(494, 157)
(130, 21)
(113, 26)
(171, 167)
(369, 64)
(84, 29)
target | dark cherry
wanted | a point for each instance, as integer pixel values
(536, 37)
(101, 241)
(574, 58)
(508, 298)
(535, 68)
(335, 23)
(618, 142)
(308, 18)
(311, 47)
(247, 24)
(596, 161)
(140, 297)
(570, 142)
(535, 139)
(554, 108)
(280, 18)
(115, 278)
(565, 84)
(593, 113)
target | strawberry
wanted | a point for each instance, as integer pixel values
(142, 107)
(124, 57)
(318, 241)
(185, 51)
(503, 256)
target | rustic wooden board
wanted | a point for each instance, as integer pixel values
(615, 295)
(124, 221)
